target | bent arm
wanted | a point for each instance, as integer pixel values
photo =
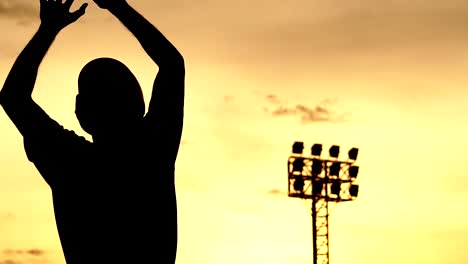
(156, 45)
(16, 94)
(22, 77)
(166, 107)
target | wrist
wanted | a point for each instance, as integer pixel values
(118, 6)
(48, 30)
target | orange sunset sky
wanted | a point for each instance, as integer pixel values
(392, 75)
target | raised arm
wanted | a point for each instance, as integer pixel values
(156, 45)
(165, 111)
(15, 96)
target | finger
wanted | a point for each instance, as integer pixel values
(68, 4)
(78, 13)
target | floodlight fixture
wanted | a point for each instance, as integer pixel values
(353, 153)
(334, 151)
(298, 147)
(353, 171)
(298, 165)
(316, 150)
(317, 167)
(336, 187)
(353, 190)
(323, 180)
(335, 169)
(298, 184)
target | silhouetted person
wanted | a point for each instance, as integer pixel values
(114, 198)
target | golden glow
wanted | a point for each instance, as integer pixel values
(397, 78)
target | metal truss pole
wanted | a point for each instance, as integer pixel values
(320, 223)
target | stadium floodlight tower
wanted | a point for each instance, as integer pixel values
(324, 181)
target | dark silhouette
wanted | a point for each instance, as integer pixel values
(114, 198)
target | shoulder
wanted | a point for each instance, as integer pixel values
(57, 144)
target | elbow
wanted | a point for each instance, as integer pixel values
(9, 98)
(174, 61)
(4, 97)
(180, 61)
(1, 97)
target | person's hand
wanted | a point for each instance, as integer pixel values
(109, 4)
(56, 15)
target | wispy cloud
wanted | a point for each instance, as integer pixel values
(7, 216)
(273, 99)
(23, 12)
(10, 261)
(228, 99)
(24, 252)
(23, 256)
(276, 192)
(308, 114)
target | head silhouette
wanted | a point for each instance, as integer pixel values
(109, 97)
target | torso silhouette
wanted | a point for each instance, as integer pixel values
(112, 204)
